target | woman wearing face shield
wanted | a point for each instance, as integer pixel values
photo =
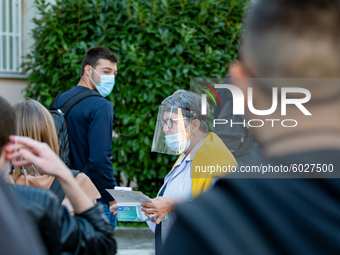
(182, 130)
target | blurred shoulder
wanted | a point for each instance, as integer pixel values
(31, 195)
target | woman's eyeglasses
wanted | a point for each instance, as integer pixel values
(169, 122)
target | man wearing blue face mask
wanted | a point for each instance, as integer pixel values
(90, 122)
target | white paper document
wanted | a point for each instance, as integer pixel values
(129, 204)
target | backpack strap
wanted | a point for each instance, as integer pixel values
(64, 109)
(58, 190)
(54, 103)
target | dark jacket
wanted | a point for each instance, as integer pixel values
(85, 233)
(17, 235)
(90, 135)
(264, 215)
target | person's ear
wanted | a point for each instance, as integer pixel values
(239, 76)
(87, 70)
(241, 79)
(237, 70)
(195, 125)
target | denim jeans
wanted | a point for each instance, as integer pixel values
(110, 216)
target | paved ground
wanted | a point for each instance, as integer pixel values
(135, 241)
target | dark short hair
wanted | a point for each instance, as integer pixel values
(7, 122)
(92, 56)
(293, 38)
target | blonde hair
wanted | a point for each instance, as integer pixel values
(35, 121)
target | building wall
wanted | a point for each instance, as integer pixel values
(12, 89)
(12, 85)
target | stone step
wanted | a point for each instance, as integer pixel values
(127, 232)
(135, 252)
(135, 241)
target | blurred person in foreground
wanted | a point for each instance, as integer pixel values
(182, 130)
(88, 232)
(34, 121)
(267, 214)
(17, 234)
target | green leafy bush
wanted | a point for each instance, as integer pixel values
(160, 43)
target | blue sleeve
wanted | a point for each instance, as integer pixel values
(99, 141)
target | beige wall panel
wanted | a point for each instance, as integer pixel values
(11, 90)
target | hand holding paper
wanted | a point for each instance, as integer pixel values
(129, 205)
(159, 207)
(113, 209)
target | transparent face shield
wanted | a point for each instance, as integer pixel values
(172, 132)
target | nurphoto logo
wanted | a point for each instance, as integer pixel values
(238, 104)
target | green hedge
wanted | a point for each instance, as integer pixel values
(160, 43)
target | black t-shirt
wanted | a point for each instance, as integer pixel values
(264, 216)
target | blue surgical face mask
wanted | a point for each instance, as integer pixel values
(176, 142)
(106, 84)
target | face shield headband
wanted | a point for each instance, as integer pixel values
(172, 131)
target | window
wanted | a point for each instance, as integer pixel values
(10, 36)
